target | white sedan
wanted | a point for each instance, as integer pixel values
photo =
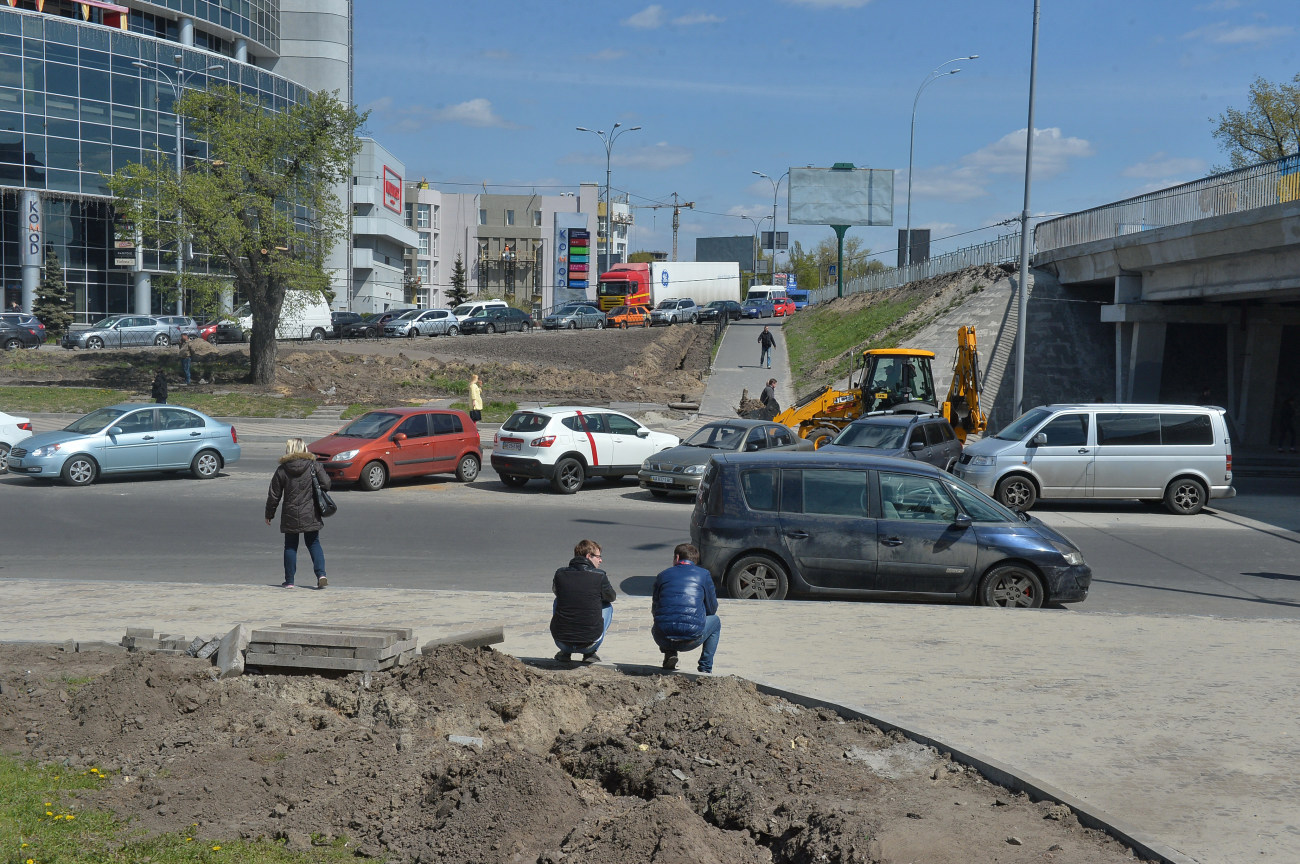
(12, 430)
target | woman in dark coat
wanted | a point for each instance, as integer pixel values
(291, 484)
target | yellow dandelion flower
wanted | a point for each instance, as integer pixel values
(189, 839)
(69, 816)
(24, 846)
(216, 848)
(49, 813)
(31, 861)
(57, 818)
(49, 803)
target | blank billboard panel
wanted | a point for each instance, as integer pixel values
(738, 249)
(841, 196)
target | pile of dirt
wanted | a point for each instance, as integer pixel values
(654, 365)
(471, 755)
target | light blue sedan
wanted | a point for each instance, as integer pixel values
(125, 439)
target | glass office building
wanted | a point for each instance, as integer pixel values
(86, 88)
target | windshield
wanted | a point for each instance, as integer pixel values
(1021, 427)
(612, 289)
(94, 421)
(667, 304)
(876, 436)
(244, 311)
(105, 322)
(718, 304)
(408, 315)
(717, 436)
(372, 317)
(525, 421)
(896, 380)
(371, 425)
(462, 309)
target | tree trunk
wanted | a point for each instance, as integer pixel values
(262, 352)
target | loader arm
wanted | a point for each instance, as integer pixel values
(962, 407)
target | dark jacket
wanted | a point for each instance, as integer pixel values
(187, 348)
(581, 589)
(683, 596)
(292, 482)
(159, 391)
(766, 339)
(768, 394)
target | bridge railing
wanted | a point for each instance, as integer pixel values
(1003, 249)
(1232, 192)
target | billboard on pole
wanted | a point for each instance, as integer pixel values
(841, 196)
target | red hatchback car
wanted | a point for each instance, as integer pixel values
(401, 442)
(782, 306)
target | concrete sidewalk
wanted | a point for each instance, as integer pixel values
(1183, 730)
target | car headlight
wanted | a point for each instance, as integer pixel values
(1072, 556)
(344, 455)
(982, 461)
(694, 469)
(47, 450)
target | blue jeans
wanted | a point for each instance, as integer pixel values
(607, 615)
(765, 358)
(185, 368)
(708, 638)
(291, 554)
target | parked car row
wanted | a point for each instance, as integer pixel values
(20, 330)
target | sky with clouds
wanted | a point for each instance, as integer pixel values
(472, 94)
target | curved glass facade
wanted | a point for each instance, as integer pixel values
(255, 20)
(74, 108)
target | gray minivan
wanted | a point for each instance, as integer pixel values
(1179, 454)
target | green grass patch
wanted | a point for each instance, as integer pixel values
(449, 384)
(41, 821)
(82, 400)
(819, 332)
(493, 412)
(242, 405)
(59, 400)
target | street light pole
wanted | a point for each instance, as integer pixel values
(1022, 307)
(755, 246)
(608, 141)
(935, 75)
(177, 89)
(776, 184)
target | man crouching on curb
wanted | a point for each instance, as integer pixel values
(685, 608)
(583, 610)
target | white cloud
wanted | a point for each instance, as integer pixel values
(475, 112)
(649, 18)
(698, 18)
(656, 157)
(1224, 33)
(383, 103)
(1162, 166)
(1052, 153)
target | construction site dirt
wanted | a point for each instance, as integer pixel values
(473, 755)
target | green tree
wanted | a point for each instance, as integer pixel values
(459, 292)
(52, 304)
(641, 258)
(263, 208)
(1269, 127)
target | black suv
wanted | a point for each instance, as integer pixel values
(341, 320)
(842, 525)
(927, 437)
(718, 308)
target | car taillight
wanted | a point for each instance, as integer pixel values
(28, 427)
(1228, 463)
(544, 441)
(234, 436)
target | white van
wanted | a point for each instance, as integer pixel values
(1179, 454)
(477, 307)
(304, 315)
(764, 292)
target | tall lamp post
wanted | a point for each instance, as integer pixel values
(935, 74)
(776, 184)
(608, 141)
(178, 87)
(755, 223)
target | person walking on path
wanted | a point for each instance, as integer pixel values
(765, 343)
(159, 390)
(187, 354)
(685, 609)
(475, 399)
(583, 606)
(292, 485)
(771, 407)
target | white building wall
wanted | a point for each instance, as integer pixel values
(380, 238)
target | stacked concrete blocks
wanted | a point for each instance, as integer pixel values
(331, 647)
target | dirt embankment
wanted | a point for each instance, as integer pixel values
(654, 365)
(574, 765)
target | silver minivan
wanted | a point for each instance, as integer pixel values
(1178, 454)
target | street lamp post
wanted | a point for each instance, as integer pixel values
(755, 223)
(608, 141)
(178, 87)
(935, 75)
(776, 185)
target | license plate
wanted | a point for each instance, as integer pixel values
(659, 478)
(511, 445)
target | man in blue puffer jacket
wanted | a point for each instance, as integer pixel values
(685, 609)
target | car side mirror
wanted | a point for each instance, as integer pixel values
(1038, 440)
(916, 446)
(399, 437)
(962, 521)
(643, 433)
(115, 431)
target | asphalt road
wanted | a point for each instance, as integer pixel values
(1240, 560)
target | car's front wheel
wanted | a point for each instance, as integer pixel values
(573, 325)
(453, 331)
(205, 465)
(491, 328)
(757, 577)
(374, 476)
(411, 333)
(1013, 586)
(569, 476)
(4, 456)
(94, 342)
(1017, 492)
(468, 468)
(80, 471)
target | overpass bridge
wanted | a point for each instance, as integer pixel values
(1202, 284)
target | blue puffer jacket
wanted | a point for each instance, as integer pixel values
(683, 596)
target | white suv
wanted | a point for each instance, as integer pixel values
(674, 311)
(567, 445)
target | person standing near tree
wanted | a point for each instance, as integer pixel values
(766, 341)
(475, 399)
(187, 355)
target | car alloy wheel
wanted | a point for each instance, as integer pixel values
(468, 468)
(453, 331)
(411, 332)
(80, 471)
(94, 342)
(13, 344)
(757, 577)
(373, 476)
(622, 325)
(1017, 492)
(4, 456)
(1011, 586)
(1185, 497)
(569, 476)
(162, 340)
(206, 464)
(491, 328)
(573, 325)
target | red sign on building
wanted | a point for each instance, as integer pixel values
(392, 190)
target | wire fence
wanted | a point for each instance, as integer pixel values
(1232, 192)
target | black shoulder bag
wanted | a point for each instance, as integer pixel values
(324, 503)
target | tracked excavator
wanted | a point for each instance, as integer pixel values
(895, 381)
